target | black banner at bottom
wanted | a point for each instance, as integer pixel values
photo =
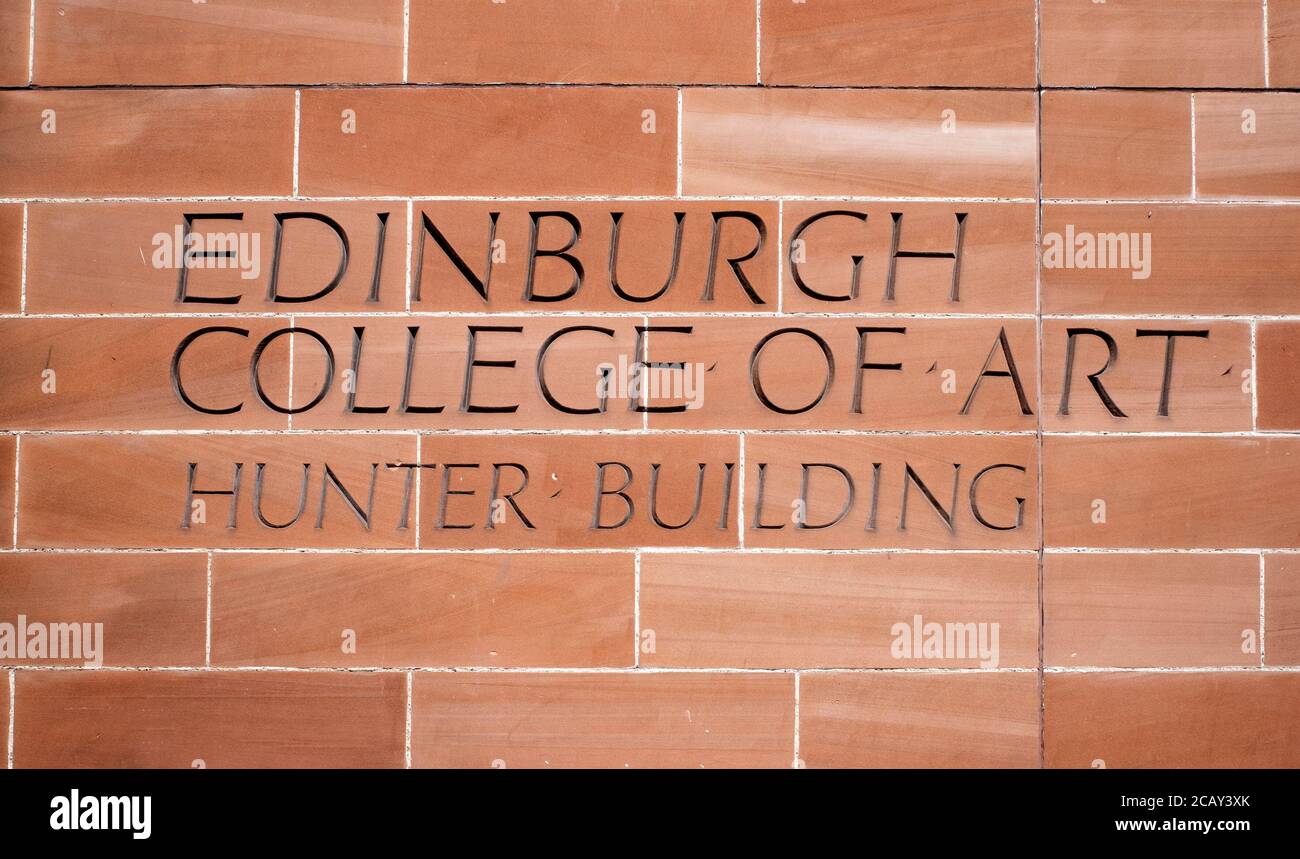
(335, 808)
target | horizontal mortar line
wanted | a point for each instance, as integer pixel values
(521, 85)
(1158, 550)
(508, 198)
(285, 315)
(1169, 434)
(1245, 669)
(1179, 201)
(1159, 88)
(522, 314)
(426, 431)
(847, 315)
(411, 433)
(1190, 317)
(635, 670)
(644, 549)
(844, 432)
(493, 669)
(227, 198)
(654, 431)
(650, 85)
(606, 198)
(630, 550)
